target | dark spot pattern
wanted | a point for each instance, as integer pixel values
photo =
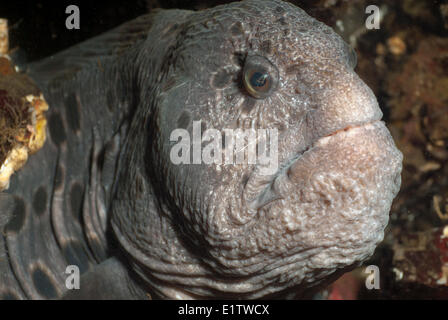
(57, 129)
(40, 200)
(43, 284)
(18, 216)
(76, 196)
(76, 255)
(72, 112)
(221, 79)
(184, 120)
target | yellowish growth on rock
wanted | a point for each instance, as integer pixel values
(15, 160)
(22, 120)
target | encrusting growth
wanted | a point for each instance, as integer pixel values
(22, 122)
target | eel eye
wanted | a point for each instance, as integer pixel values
(260, 77)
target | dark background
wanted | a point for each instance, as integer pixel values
(38, 27)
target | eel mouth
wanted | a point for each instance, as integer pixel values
(286, 165)
(261, 190)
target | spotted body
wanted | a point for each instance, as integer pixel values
(103, 194)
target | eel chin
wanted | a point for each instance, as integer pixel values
(332, 205)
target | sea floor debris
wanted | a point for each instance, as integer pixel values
(22, 120)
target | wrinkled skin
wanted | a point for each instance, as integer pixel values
(199, 230)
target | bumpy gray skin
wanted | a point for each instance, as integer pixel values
(103, 194)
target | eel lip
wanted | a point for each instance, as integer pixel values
(318, 141)
(267, 192)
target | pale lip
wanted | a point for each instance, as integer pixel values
(371, 137)
(267, 192)
(325, 139)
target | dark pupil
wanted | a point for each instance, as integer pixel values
(258, 79)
